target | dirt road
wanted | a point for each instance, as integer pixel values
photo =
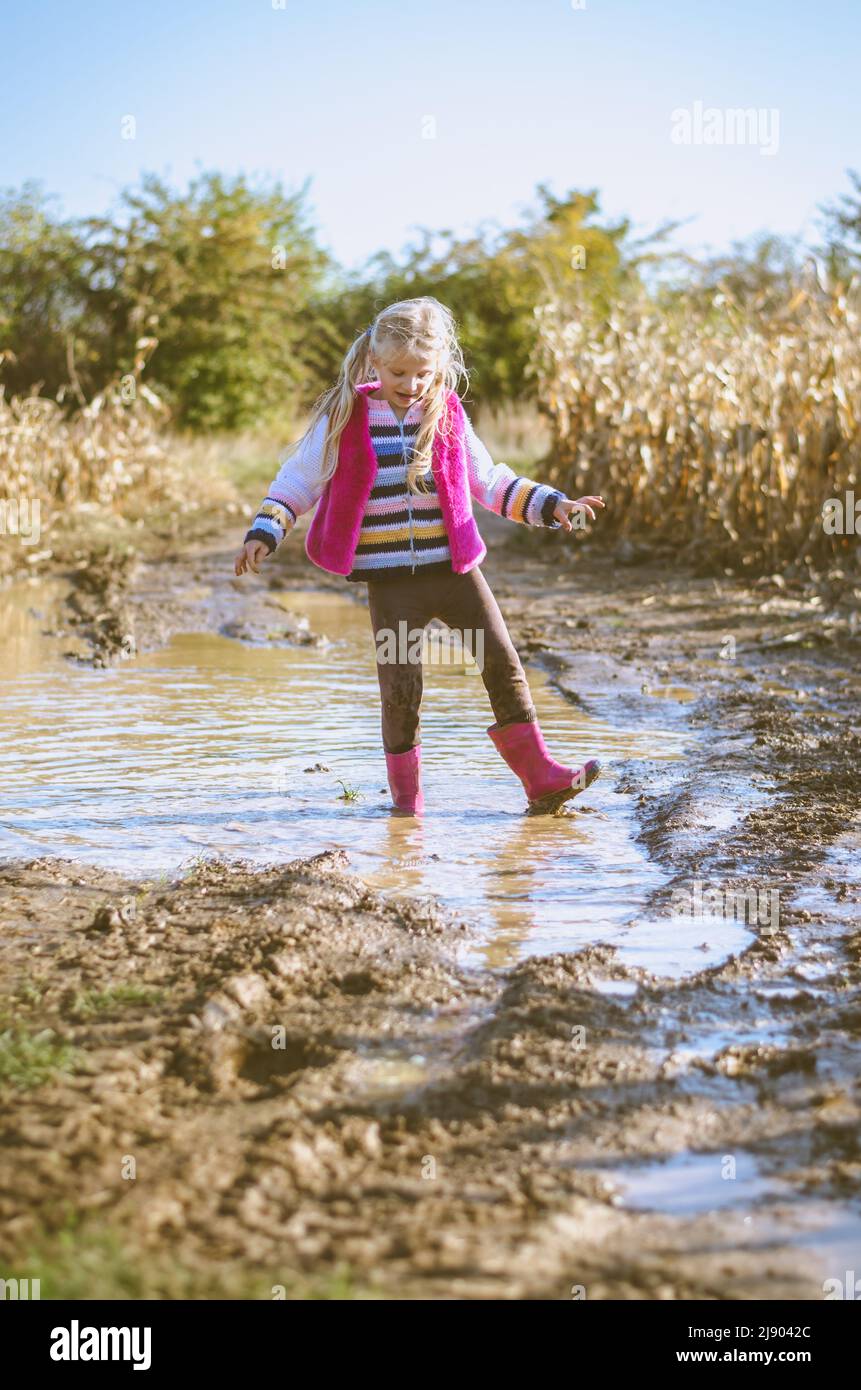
(243, 1079)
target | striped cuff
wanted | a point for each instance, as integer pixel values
(548, 507)
(272, 522)
(256, 534)
(530, 503)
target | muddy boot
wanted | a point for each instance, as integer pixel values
(548, 784)
(405, 780)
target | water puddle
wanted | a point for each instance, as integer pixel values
(836, 886)
(691, 1183)
(673, 947)
(269, 753)
(685, 693)
(823, 1239)
(29, 619)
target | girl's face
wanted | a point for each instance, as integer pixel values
(404, 379)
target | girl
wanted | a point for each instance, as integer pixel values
(392, 460)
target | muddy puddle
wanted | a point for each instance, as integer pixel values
(617, 1093)
(213, 745)
(751, 1210)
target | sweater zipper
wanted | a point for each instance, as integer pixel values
(409, 495)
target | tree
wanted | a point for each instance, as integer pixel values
(42, 292)
(221, 276)
(492, 282)
(843, 231)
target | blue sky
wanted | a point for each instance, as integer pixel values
(520, 93)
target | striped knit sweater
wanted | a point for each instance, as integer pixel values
(401, 531)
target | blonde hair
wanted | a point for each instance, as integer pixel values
(421, 327)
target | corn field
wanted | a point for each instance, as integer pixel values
(722, 429)
(108, 449)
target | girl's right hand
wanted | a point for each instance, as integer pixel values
(250, 557)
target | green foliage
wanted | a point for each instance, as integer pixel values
(247, 319)
(97, 1258)
(492, 282)
(42, 291)
(842, 254)
(28, 1059)
(219, 277)
(91, 1002)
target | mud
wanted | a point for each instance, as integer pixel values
(574, 1125)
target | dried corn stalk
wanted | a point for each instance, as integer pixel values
(720, 428)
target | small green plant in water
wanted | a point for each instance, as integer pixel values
(196, 865)
(349, 793)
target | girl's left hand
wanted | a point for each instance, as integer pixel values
(566, 506)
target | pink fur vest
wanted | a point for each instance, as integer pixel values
(334, 531)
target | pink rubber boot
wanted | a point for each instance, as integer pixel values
(405, 780)
(548, 784)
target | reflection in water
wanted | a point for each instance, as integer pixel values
(206, 747)
(820, 1240)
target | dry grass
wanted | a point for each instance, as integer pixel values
(518, 436)
(109, 447)
(721, 428)
(109, 465)
(249, 458)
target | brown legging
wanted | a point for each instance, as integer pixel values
(466, 605)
